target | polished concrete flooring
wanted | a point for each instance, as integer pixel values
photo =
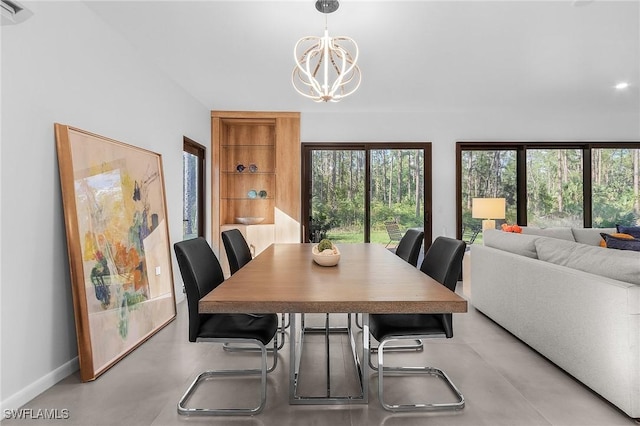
(503, 381)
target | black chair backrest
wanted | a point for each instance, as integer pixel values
(443, 261)
(201, 273)
(237, 250)
(409, 246)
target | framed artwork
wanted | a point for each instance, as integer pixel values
(118, 242)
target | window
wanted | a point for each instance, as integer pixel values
(192, 189)
(554, 188)
(615, 186)
(351, 190)
(487, 174)
(545, 184)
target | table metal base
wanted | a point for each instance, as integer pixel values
(361, 363)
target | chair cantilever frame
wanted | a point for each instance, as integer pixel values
(262, 371)
(201, 273)
(459, 404)
(442, 262)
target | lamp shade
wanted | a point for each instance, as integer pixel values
(488, 208)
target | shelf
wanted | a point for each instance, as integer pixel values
(231, 225)
(249, 145)
(247, 198)
(263, 156)
(229, 172)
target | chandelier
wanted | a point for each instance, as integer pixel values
(326, 70)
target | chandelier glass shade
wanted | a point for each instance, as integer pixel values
(326, 69)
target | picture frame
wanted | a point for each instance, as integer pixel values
(117, 233)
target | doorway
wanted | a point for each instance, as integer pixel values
(193, 189)
(352, 191)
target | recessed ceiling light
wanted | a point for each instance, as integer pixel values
(622, 85)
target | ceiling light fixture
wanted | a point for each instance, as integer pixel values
(622, 85)
(325, 70)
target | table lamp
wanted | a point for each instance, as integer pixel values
(488, 209)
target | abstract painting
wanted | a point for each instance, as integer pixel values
(118, 245)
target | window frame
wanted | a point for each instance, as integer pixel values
(307, 147)
(199, 151)
(521, 170)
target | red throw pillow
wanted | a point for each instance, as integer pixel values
(511, 228)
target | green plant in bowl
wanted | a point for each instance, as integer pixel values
(325, 244)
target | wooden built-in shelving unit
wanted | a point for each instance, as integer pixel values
(267, 145)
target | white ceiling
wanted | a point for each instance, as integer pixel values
(414, 55)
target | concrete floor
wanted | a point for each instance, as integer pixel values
(503, 380)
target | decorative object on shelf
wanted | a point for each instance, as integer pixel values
(329, 57)
(488, 209)
(262, 194)
(240, 168)
(252, 193)
(325, 253)
(249, 220)
(253, 168)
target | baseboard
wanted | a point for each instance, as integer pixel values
(29, 392)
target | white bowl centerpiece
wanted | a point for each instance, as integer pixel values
(325, 253)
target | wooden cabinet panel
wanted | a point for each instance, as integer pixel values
(267, 145)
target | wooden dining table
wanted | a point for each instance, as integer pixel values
(369, 279)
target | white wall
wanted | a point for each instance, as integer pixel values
(64, 65)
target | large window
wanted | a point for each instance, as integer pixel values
(545, 184)
(351, 190)
(554, 187)
(487, 174)
(615, 186)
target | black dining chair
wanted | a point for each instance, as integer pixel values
(201, 273)
(238, 255)
(408, 249)
(237, 249)
(442, 262)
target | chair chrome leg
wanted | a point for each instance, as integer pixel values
(418, 346)
(284, 325)
(459, 404)
(232, 348)
(183, 410)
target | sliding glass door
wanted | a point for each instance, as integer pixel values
(337, 201)
(397, 191)
(352, 191)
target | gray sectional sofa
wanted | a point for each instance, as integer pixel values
(576, 303)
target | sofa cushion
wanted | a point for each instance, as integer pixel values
(631, 230)
(618, 235)
(590, 236)
(561, 233)
(615, 264)
(508, 241)
(621, 242)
